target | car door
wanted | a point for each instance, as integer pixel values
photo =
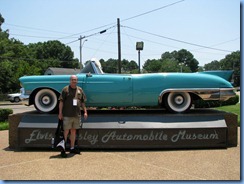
(108, 89)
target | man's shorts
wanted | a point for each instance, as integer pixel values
(71, 122)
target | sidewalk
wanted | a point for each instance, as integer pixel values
(204, 164)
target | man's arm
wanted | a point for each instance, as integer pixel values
(84, 109)
(60, 114)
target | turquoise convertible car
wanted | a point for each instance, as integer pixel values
(174, 91)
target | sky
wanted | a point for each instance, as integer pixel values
(209, 29)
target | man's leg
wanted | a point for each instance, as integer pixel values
(63, 154)
(72, 140)
(72, 137)
(66, 132)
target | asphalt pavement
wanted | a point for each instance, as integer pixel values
(129, 165)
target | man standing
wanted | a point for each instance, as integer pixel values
(71, 100)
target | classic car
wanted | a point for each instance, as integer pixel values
(174, 91)
(17, 97)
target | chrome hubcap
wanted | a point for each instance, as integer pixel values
(46, 100)
(179, 100)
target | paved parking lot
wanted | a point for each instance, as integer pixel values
(193, 164)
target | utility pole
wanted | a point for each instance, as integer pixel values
(119, 46)
(81, 45)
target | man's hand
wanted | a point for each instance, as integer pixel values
(85, 115)
(60, 116)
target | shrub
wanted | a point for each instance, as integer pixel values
(4, 113)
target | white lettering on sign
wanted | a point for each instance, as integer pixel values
(92, 138)
(38, 135)
(152, 136)
(113, 135)
(183, 135)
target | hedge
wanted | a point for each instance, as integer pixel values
(4, 113)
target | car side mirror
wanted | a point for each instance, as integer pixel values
(89, 75)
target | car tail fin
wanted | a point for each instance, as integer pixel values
(225, 74)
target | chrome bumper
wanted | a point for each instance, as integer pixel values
(227, 93)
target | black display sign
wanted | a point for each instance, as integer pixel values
(132, 138)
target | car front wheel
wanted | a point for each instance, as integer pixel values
(46, 101)
(178, 102)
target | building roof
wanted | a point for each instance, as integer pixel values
(61, 71)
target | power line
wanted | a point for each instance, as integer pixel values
(220, 43)
(32, 36)
(38, 29)
(88, 31)
(152, 11)
(176, 40)
(72, 35)
(128, 18)
(100, 32)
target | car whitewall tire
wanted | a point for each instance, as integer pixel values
(46, 101)
(178, 102)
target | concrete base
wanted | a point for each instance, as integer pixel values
(203, 128)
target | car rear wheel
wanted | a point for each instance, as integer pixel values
(178, 102)
(46, 101)
(16, 99)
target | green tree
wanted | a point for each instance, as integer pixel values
(170, 65)
(17, 59)
(186, 58)
(6, 76)
(214, 65)
(3, 34)
(128, 66)
(175, 61)
(51, 50)
(152, 66)
(231, 62)
(111, 66)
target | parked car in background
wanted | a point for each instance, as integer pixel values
(174, 91)
(17, 97)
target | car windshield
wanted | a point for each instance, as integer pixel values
(92, 67)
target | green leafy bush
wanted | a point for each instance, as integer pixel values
(4, 113)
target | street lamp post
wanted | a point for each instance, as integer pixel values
(81, 45)
(139, 47)
(181, 66)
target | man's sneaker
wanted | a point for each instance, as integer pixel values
(63, 154)
(75, 151)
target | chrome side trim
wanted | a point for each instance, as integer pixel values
(221, 94)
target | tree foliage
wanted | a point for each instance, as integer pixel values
(111, 66)
(230, 62)
(18, 59)
(176, 61)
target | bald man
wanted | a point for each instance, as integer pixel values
(71, 100)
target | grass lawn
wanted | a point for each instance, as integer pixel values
(233, 109)
(4, 126)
